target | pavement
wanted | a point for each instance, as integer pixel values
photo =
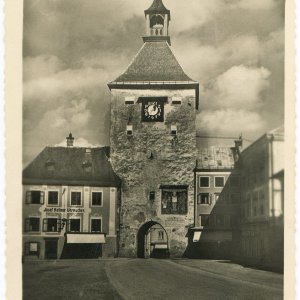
(147, 279)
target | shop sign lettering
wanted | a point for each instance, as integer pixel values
(62, 210)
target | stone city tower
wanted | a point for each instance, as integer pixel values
(153, 145)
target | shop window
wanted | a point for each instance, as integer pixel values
(52, 198)
(32, 248)
(75, 198)
(204, 220)
(161, 235)
(203, 198)
(95, 225)
(234, 181)
(219, 220)
(219, 181)
(32, 224)
(96, 198)
(35, 197)
(74, 225)
(204, 181)
(51, 225)
(174, 201)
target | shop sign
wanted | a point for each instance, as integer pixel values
(62, 210)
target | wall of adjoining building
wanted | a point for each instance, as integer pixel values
(107, 212)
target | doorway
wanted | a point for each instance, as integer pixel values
(51, 248)
(152, 241)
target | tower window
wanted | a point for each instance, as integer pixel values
(129, 130)
(173, 129)
(152, 196)
(129, 100)
(176, 100)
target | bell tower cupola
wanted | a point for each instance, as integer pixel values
(157, 23)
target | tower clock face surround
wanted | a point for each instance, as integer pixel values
(153, 109)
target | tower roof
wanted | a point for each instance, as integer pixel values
(155, 62)
(157, 7)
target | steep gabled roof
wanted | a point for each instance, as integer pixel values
(157, 7)
(215, 158)
(71, 166)
(155, 62)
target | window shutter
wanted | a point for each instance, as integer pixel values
(58, 225)
(27, 245)
(45, 225)
(27, 223)
(210, 199)
(28, 197)
(42, 197)
(38, 249)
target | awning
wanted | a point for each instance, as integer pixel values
(197, 235)
(161, 246)
(85, 238)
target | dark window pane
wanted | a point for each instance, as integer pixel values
(74, 225)
(35, 197)
(204, 181)
(96, 225)
(34, 224)
(203, 198)
(75, 198)
(204, 220)
(97, 198)
(53, 198)
(174, 202)
(52, 225)
(219, 181)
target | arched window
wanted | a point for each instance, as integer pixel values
(156, 25)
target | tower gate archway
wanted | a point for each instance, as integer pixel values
(152, 241)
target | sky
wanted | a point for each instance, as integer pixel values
(73, 48)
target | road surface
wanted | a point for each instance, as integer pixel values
(139, 279)
(165, 279)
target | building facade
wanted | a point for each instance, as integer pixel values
(262, 206)
(217, 198)
(70, 200)
(153, 142)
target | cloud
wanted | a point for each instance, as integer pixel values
(230, 122)
(256, 4)
(240, 86)
(41, 66)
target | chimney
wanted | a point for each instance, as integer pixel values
(70, 140)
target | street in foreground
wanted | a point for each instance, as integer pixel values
(147, 279)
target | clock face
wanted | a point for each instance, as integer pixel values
(152, 111)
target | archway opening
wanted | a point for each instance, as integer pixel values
(152, 241)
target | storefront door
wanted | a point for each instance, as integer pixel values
(51, 249)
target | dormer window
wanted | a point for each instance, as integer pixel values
(50, 165)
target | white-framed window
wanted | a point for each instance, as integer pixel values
(203, 198)
(51, 224)
(129, 100)
(219, 181)
(129, 130)
(74, 225)
(32, 248)
(204, 181)
(75, 198)
(97, 198)
(96, 224)
(52, 198)
(177, 100)
(32, 224)
(35, 197)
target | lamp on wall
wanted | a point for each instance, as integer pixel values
(64, 222)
